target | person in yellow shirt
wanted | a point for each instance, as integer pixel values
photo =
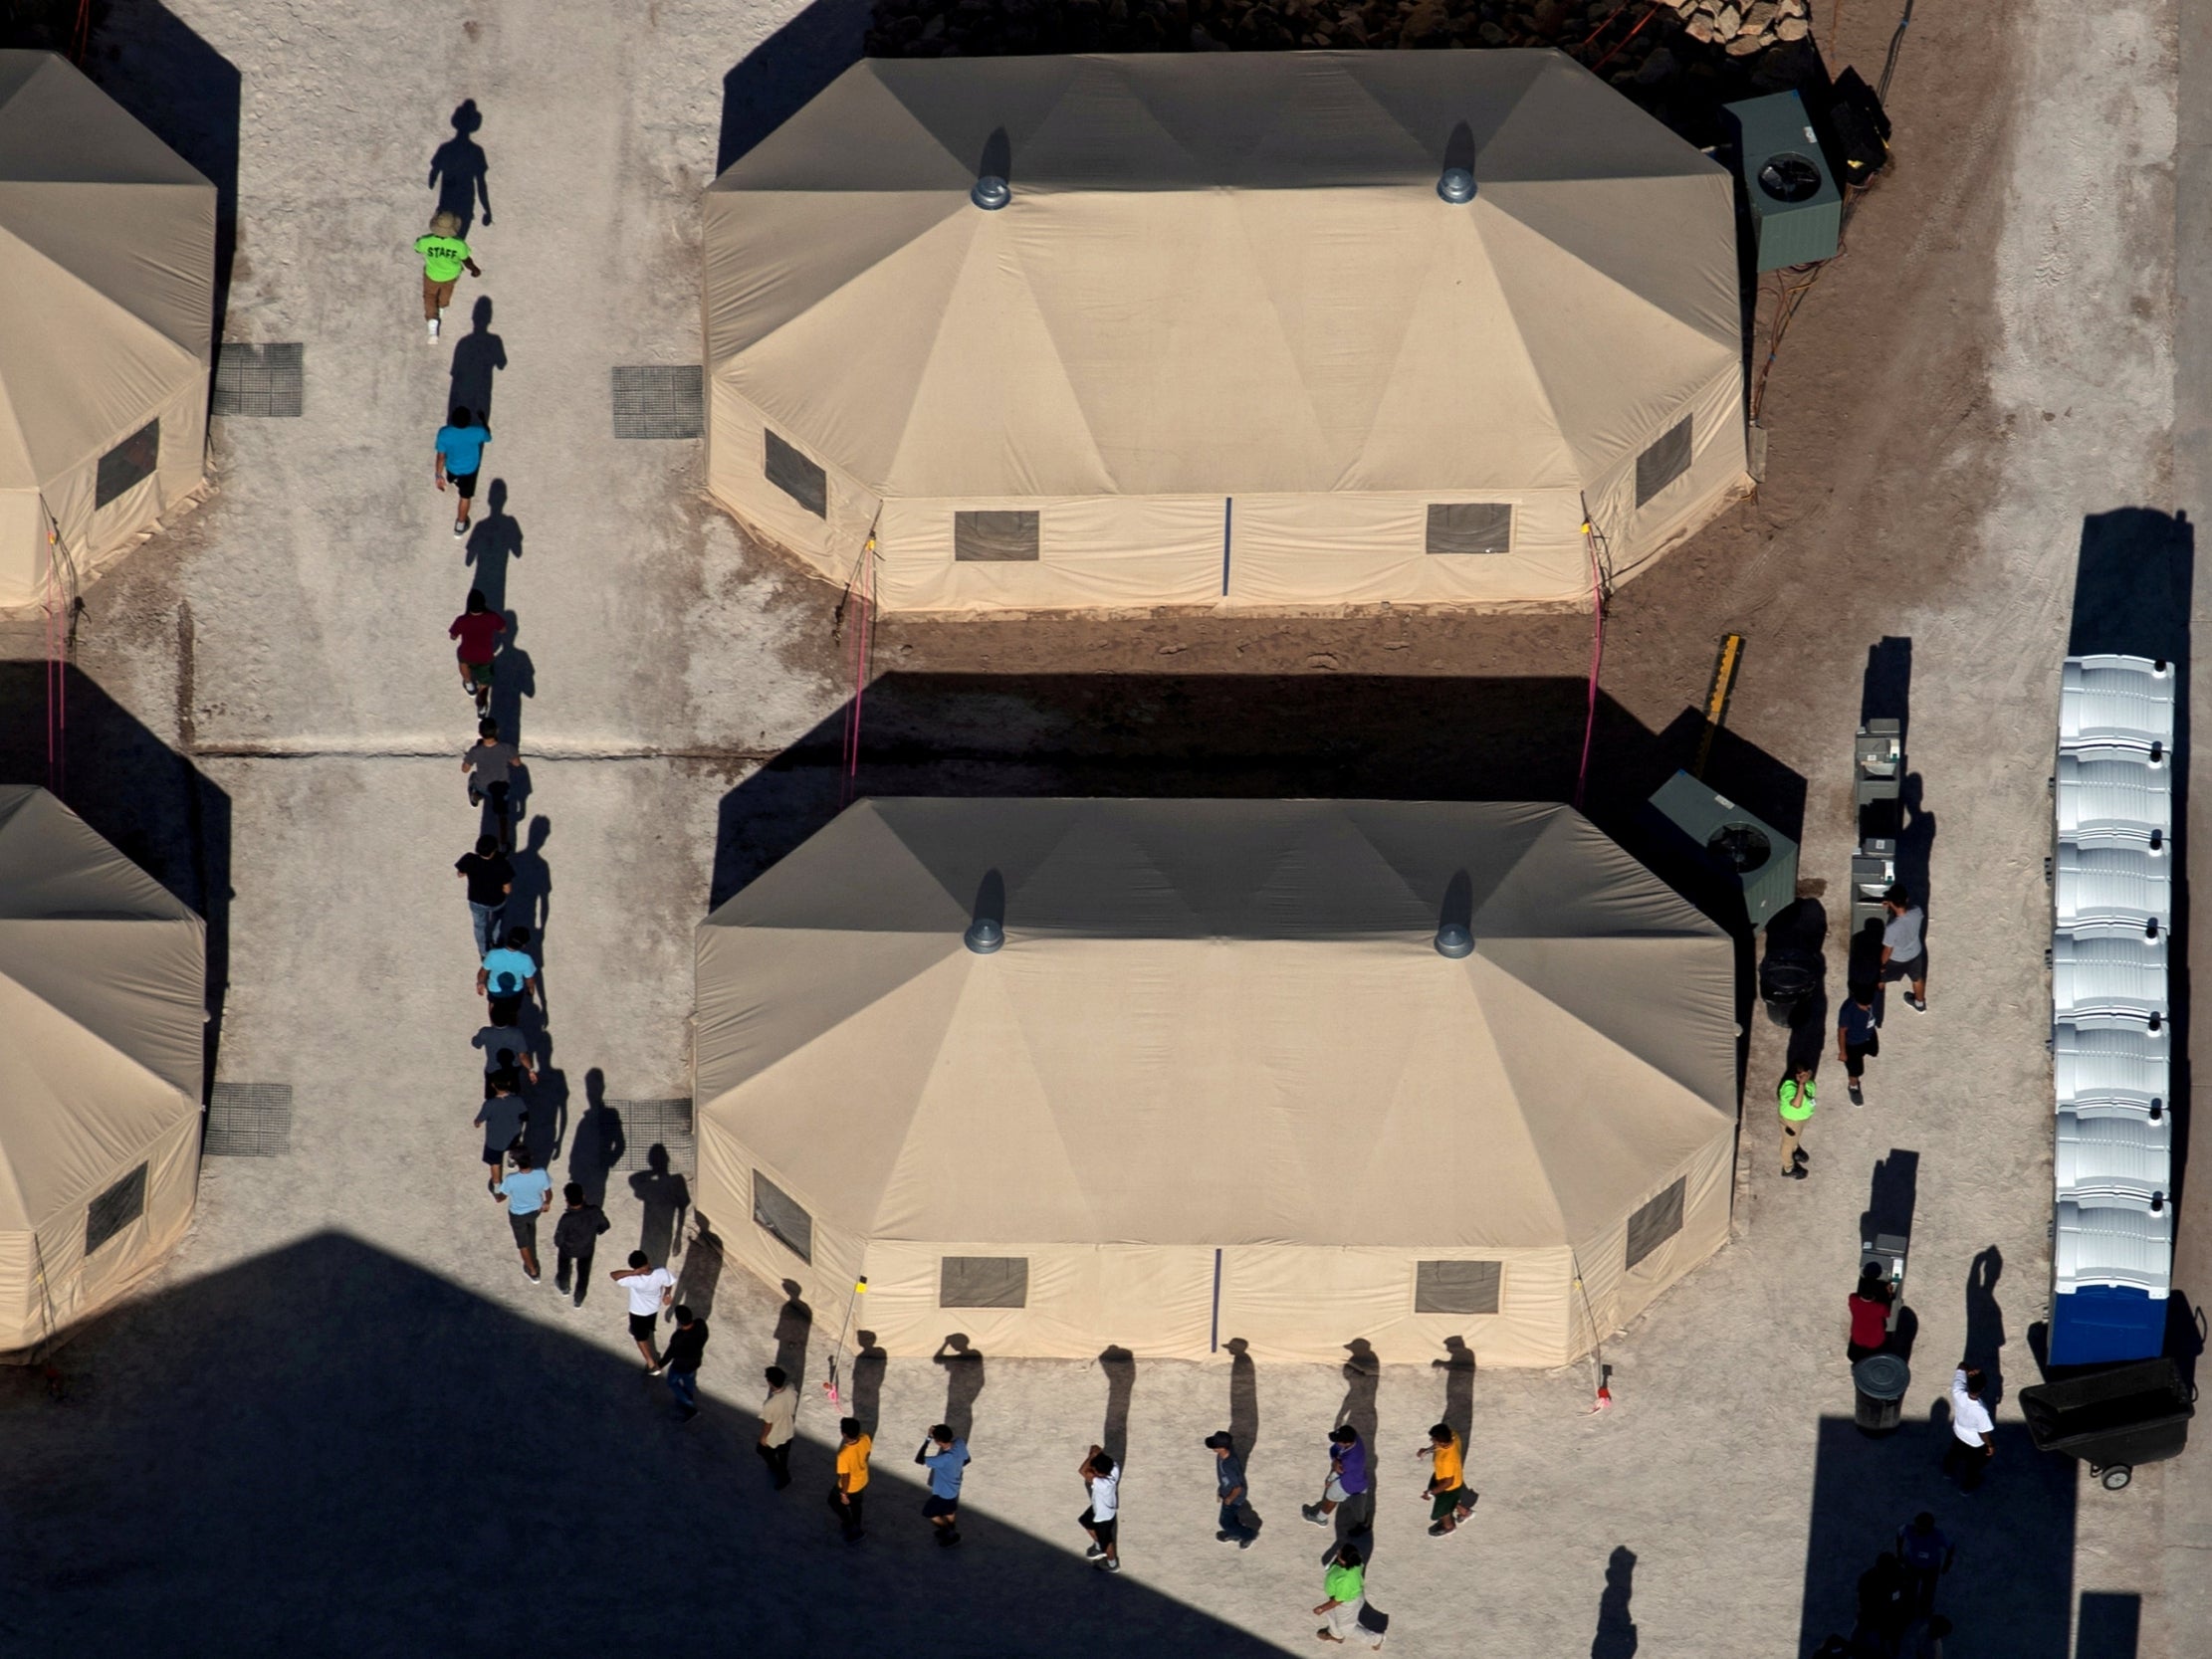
(850, 1491)
(1449, 1501)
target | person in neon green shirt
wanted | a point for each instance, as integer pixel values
(1345, 1585)
(1795, 1100)
(444, 257)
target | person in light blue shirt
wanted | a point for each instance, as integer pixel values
(460, 451)
(525, 1192)
(509, 974)
(946, 1458)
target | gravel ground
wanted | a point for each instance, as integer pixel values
(341, 1419)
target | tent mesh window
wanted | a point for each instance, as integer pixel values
(1657, 1222)
(1456, 1287)
(129, 463)
(780, 1214)
(1471, 526)
(994, 537)
(982, 1281)
(1665, 461)
(797, 476)
(115, 1209)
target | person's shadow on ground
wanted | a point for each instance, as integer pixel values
(495, 541)
(666, 1200)
(459, 172)
(1616, 1637)
(795, 1325)
(531, 903)
(963, 1381)
(599, 1144)
(695, 1286)
(1985, 1323)
(478, 356)
(514, 678)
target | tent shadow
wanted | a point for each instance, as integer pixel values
(150, 802)
(225, 1387)
(778, 77)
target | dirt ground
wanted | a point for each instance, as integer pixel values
(342, 1420)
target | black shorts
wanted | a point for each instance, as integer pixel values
(494, 1156)
(463, 485)
(1103, 1530)
(525, 1229)
(641, 1326)
(505, 1010)
(933, 1506)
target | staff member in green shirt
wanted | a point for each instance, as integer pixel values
(1795, 1100)
(1345, 1585)
(444, 257)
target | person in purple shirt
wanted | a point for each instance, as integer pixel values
(1347, 1478)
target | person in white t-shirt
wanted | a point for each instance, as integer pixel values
(1102, 1481)
(651, 1289)
(1973, 1431)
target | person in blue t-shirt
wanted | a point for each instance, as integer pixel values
(946, 1458)
(460, 451)
(526, 1192)
(508, 975)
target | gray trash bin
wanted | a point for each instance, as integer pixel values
(1881, 1380)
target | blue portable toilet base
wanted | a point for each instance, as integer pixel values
(2098, 1324)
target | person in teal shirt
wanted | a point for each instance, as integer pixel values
(459, 453)
(444, 257)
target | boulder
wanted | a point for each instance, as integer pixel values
(1743, 45)
(1758, 15)
(1491, 35)
(1659, 66)
(1726, 21)
(1699, 29)
(1791, 29)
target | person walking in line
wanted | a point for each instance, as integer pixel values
(1883, 1609)
(1903, 948)
(527, 1191)
(650, 1290)
(502, 1116)
(489, 764)
(1925, 1555)
(1868, 1305)
(1347, 1479)
(1101, 1517)
(444, 257)
(478, 628)
(686, 1346)
(508, 975)
(1230, 1489)
(848, 1495)
(946, 1458)
(778, 1427)
(1857, 1039)
(490, 879)
(1795, 1100)
(459, 448)
(506, 1049)
(1344, 1591)
(1973, 1431)
(1449, 1501)
(575, 1237)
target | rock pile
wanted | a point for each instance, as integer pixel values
(1739, 28)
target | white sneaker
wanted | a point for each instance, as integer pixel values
(432, 327)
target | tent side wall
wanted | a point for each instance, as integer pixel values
(722, 1200)
(75, 1287)
(1093, 551)
(737, 476)
(1307, 551)
(1717, 474)
(1617, 1293)
(96, 535)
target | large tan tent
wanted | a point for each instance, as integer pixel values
(107, 327)
(103, 979)
(1227, 343)
(1228, 1074)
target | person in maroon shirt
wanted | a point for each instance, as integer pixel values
(478, 629)
(1870, 1315)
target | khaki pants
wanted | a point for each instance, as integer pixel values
(1792, 1139)
(436, 297)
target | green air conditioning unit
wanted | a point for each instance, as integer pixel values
(1730, 851)
(1797, 213)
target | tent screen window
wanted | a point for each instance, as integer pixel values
(1456, 1287)
(797, 476)
(780, 1214)
(129, 463)
(115, 1209)
(1663, 463)
(1656, 1224)
(1471, 526)
(994, 537)
(982, 1281)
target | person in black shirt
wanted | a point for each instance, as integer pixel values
(1856, 1037)
(490, 879)
(686, 1347)
(575, 1236)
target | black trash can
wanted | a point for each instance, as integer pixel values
(1881, 1380)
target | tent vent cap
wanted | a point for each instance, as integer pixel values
(984, 936)
(990, 193)
(1456, 185)
(1454, 940)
